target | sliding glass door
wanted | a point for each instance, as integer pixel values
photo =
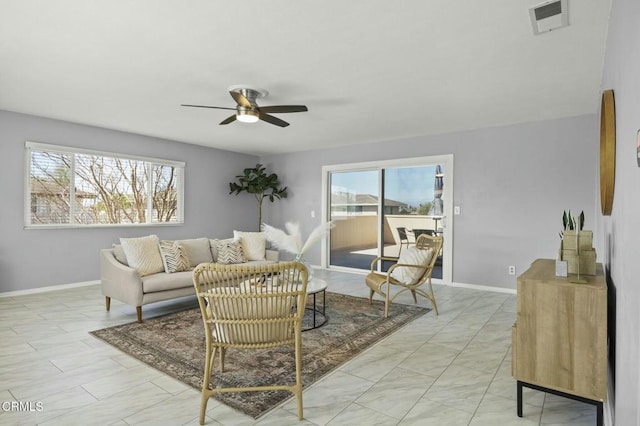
(381, 208)
(354, 209)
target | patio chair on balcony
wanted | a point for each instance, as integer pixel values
(404, 239)
(411, 271)
(418, 232)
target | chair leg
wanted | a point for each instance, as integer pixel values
(386, 303)
(433, 298)
(208, 365)
(203, 406)
(107, 303)
(435, 305)
(298, 391)
(139, 313)
(415, 299)
(371, 296)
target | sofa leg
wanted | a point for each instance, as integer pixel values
(139, 313)
(107, 302)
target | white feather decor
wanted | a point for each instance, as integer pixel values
(291, 241)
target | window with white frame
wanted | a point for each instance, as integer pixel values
(73, 187)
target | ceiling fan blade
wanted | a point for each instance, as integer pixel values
(241, 99)
(206, 106)
(229, 119)
(273, 120)
(283, 108)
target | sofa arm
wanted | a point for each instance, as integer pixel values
(272, 255)
(119, 281)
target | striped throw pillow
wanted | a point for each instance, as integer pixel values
(143, 254)
(174, 257)
(229, 252)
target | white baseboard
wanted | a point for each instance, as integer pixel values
(438, 282)
(47, 289)
(484, 287)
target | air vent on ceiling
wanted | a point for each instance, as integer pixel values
(549, 16)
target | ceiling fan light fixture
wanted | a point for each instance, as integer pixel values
(247, 116)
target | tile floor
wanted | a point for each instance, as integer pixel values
(454, 369)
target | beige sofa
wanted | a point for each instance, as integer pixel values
(127, 284)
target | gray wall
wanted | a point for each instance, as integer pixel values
(40, 258)
(512, 184)
(619, 232)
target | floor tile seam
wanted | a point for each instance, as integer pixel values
(67, 411)
(169, 396)
(484, 394)
(422, 396)
(468, 342)
(365, 408)
(500, 308)
(453, 360)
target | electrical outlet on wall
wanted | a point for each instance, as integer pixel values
(512, 270)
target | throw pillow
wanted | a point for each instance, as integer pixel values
(118, 252)
(174, 257)
(229, 252)
(254, 244)
(143, 254)
(213, 244)
(197, 250)
(412, 256)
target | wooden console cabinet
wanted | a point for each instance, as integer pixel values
(560, 335)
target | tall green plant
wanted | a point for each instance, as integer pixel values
(256, 181)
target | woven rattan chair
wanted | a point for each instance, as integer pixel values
(411, 271)
(250, 307)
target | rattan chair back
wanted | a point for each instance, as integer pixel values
(250, 307)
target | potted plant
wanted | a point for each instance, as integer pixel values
(256, 181)
(576, 251)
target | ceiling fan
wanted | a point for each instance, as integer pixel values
(248, 111)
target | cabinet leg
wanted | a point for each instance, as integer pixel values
(600, 414)
(519, 392)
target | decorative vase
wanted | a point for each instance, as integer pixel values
(300, 258)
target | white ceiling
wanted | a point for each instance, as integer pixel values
(368, 70)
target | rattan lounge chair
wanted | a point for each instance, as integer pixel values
(250, 307)
(411, 271)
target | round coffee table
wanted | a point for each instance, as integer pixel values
(319, 317)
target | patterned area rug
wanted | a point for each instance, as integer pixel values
(174, 344)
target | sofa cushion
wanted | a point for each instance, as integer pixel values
(174, 257)
(229, 252)
(253, 244)
(143, 254)
(163, 281)
(198, 250)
